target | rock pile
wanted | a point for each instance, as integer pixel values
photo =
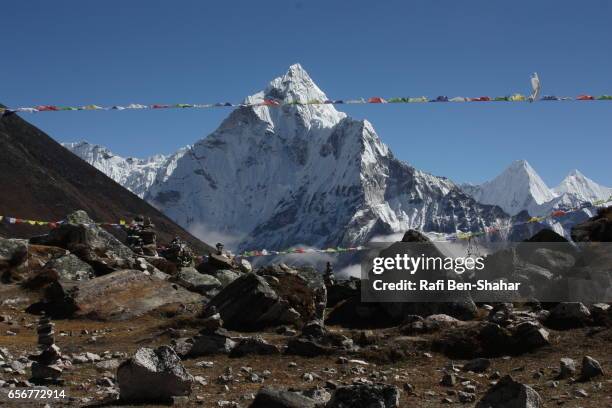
(141, 236)
(47, 366)
(179, 253)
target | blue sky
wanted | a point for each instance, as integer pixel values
(119, 52)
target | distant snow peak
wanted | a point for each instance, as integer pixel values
(578, 184)
(519, 188)
(137, 175)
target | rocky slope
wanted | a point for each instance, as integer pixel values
(41, 180)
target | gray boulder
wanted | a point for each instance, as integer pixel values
(198, 282)
(70, 267)
(278, 398)
(80, 231)
(508, 393)
(120, 295)
(13, 257)
(569, 315)
(590, 368)
(153, 376)
(365, 396)
(225, 276)
(477, 365)
(245, 266)
(567, 368)
(211, 342)
(249, 303)
(253, 345)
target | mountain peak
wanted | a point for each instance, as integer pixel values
(583, 187)
(295, 85)
(521, 165)
(517, 188)
(575, 173)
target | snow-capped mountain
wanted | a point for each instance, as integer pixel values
(519, 188)
(581, 186)
(273, 177)
(137, 175)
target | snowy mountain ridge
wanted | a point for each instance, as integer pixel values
(519, 188)
(274, 177)
(137, 175)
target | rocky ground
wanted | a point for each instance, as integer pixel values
(136, 330)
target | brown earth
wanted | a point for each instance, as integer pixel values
(397, 359)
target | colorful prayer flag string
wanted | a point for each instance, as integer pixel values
(277, 103)
(460, 235)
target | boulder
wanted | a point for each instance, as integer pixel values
(342, 290)
(253, 345)
(13, 258)
(315, 340)
(245, 266)
(278, 398)
(119, 295)
(80, 233)
(567, 368)
(153, 376)
(365, 396)
(508, 393)
(477, 365)
(191, 279)
(569, 315)
(529, 335)
(416, 324)
(226, 276)
(211, 342)
(590, 368)
(303, 288)
(70, 267)
(250, 304)
(216, 262)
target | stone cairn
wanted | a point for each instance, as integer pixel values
(328, 277)
(141, 236)
(179, 253)
(47, 366)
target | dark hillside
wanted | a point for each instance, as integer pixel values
(41, 180)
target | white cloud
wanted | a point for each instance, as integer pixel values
(211, 237)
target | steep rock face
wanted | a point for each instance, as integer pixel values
(306, 174)
(137, 175)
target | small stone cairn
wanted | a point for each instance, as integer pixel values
(47, 366)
